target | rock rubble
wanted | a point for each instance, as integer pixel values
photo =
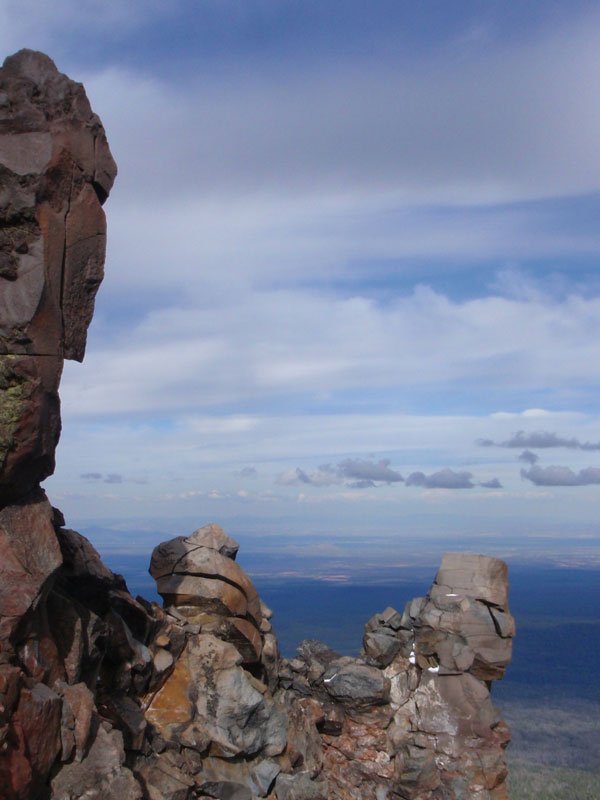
(103, 695)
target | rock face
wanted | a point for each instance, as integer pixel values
(56, 170)
(110, 697)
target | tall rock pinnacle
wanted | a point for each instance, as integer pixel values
(56, 170)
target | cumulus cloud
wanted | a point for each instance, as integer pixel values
(528, 457)
(113, 477)
(91, 476)
(443, 479)
(561, 476)
(539, 440)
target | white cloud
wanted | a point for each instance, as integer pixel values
(274, 343)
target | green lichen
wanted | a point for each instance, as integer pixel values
(12, 402)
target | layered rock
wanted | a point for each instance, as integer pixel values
(107, 696)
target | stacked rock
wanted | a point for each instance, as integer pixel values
(412, 717)
(216, 704)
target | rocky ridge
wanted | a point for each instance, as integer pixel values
(103, 695)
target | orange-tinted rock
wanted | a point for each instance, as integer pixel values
(182, 556)
(194, 594)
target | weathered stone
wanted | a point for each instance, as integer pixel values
(101, 775)
(237, 779)
(29, 558)
(77, 715)
(215, 538)
(164, 780)
(192, 594)
(162, 660)
(481, 577)
(229, 714)
(304, 748)
(57, 171)
(182, 556)
(357, 684)
(29, 421)
(127, 716)
(381, 646)
(301, 787)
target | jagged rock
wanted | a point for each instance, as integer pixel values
(29, 558)
(230, 716)
(357, 684)
(304, 748)
(480, 577)
(465, 623)
(194, 556)
(164, 780)
(38, 719)
(301, 787)
(237, 779)
(101, 775)
(77, 716)
(193, 594)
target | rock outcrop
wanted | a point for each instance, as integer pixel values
(56, 170)
(103, 695)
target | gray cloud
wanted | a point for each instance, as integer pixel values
(113, 477)
(322, 476)
(443, 479)
(361, 473)
(91, 476)
(528, 457)
(362, 485)
(364, 470)
(494, 483)
(540, 440)
(247, 472)
(561, 476)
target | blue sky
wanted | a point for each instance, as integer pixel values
(348, 242)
